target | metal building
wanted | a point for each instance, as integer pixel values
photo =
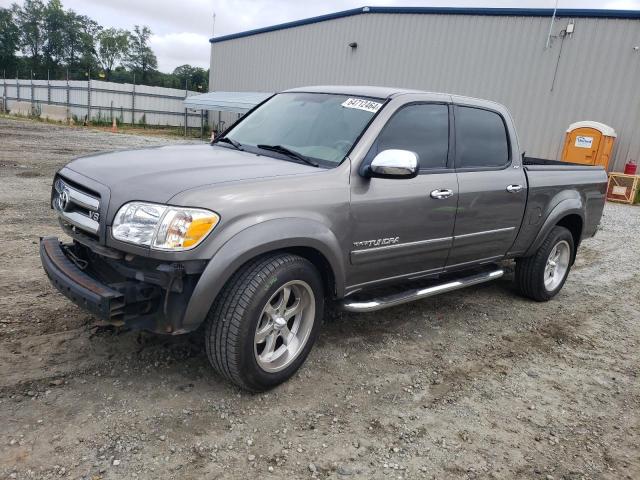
(585, 65)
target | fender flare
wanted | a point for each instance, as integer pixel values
(568, 206)
(251, 242)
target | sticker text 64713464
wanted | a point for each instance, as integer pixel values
(362, 104)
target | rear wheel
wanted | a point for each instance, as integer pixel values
(263, 324)
(542, 275)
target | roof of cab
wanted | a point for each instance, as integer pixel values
(384, 92)
(359, 90)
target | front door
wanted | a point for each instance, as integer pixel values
(492, 188)
(399, 229)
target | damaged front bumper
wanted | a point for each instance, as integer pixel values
(121, 289)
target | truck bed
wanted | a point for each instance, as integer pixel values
(532, 163)
(550, 182)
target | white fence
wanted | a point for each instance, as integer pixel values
(97, 100)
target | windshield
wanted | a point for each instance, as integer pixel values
(319, 126)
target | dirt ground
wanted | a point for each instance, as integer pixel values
(473, 384)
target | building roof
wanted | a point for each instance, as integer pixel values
(515, 12)
(238, 102)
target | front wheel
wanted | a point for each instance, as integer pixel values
(542, 275)
(263, 324)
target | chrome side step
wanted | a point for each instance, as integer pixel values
(418, 294)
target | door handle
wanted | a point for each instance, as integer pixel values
(441, 194)
(514, 188)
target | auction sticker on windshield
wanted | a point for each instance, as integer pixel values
(362, 104)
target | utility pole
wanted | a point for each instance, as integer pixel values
(186, 113)
(69, 116)
(4, 91)
(88, 96)
(32, 105)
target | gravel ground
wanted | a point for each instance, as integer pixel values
(474, 384)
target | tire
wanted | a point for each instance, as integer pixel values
(251, 303)
(533, 274)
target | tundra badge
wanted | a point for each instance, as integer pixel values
(378, 242)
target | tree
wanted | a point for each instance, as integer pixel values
(9, 40)
(113, 46)
(30, 21)
(198, 78)
(140, 58)
(74, 41)
(89, 31)
(183, 71)
(55, 23)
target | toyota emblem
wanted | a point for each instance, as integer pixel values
(63, 200)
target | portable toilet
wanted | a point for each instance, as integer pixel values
(588, 143)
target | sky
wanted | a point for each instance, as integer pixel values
(182, 28)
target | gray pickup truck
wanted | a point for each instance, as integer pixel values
(360, 197)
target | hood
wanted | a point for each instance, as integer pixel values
(158, 174)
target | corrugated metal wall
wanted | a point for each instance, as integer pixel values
(155, 105)
(502, 58)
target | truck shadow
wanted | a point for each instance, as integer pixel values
(415, 335)
(345, 330)
(436, 311)
(374, 326)
(184, 361)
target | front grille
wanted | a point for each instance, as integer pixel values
(76, 206)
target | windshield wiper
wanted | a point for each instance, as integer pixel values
(289, 153)
(230, 141)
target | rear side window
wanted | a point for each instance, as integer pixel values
(420, 128)
(481, 139)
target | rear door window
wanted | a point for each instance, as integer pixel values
(481, 139)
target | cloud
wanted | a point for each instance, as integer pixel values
(163, 16)
(174, 49)
(622, 5)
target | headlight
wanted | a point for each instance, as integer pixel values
(161, 227)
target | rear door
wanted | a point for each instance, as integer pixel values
(492, 186)
(398, 228)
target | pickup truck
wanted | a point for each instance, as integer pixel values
(360, 197)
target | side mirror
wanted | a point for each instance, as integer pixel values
(394, 164)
